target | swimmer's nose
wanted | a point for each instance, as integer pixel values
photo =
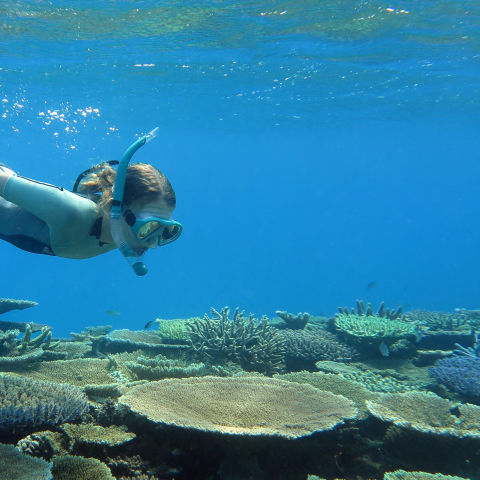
(153, 243)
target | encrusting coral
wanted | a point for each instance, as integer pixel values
(254, 346)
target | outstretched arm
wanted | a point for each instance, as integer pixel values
(53, 205)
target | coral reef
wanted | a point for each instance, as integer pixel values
(43, 444)
(70, 467)
(16, 352)
(310, 346)
(337, 384)
(125, 340)
(437, 320)
(8, 304)
(427, 413)
(291, 321)
(175, 330)
(15, 465)
(162, 367)
(367, 311)
(403, 475)
(460, 373)
(89, 434)
(240, 406)
(96, 337)
(372, 379)
(254, 346)
(366, 327)
(27, 403)
(79, 372)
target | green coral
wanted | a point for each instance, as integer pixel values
(375, 380)
(337, 384)
(95, 435)
(14, 351)
(174, 331)
(255, 346)
(427, 413)
(162, 367)
(438, 320)
(366, 311)
(373, 327)
(15, 465)
(70, 467)
(403, 475)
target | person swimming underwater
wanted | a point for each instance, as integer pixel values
(129, 208)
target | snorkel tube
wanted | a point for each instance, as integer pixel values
(134, 256)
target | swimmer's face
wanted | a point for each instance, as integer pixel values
(146, 208)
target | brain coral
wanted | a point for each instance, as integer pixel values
(240, 405)
(30, 403)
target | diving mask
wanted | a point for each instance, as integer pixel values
(148, 226)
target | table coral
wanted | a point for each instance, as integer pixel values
(257, 406)
(427, 413)
(8, 304)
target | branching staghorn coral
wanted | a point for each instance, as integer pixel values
(255, 346)
(14, 351)
(368, 310)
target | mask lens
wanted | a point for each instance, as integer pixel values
(148, 228)
(169, 232)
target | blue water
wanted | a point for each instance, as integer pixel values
(314, 147)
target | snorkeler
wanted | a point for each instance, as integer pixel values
(129, 208)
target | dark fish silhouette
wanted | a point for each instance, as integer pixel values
(371, 285)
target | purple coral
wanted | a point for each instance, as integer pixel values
(460, 373)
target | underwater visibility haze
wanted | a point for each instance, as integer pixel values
(321, 152)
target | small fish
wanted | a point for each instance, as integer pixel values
(384, 350)
(113, 313)
(150, 323)
(371, 285)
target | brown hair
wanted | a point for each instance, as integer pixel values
(143, 181)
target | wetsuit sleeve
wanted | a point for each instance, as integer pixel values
(55, 206)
